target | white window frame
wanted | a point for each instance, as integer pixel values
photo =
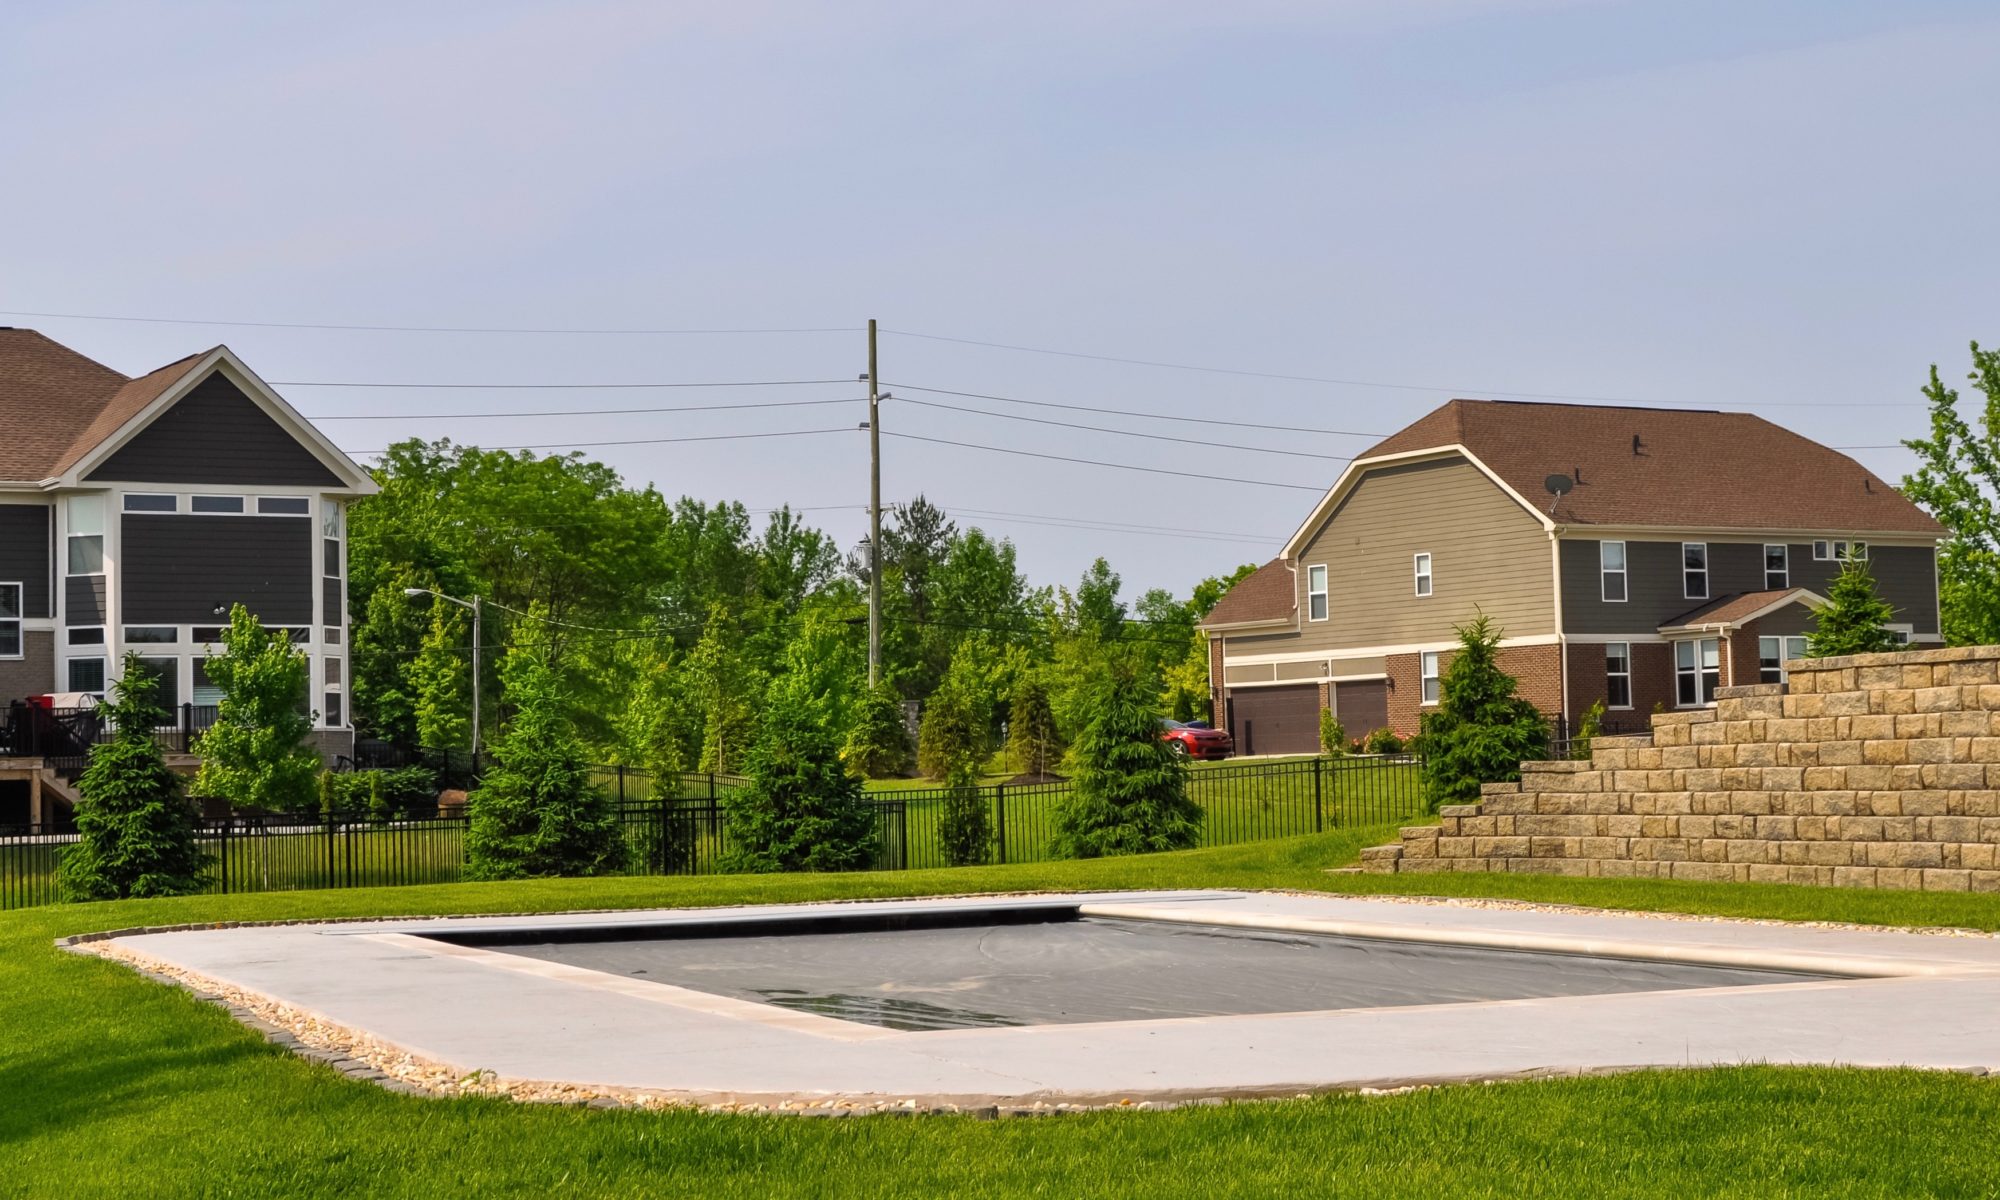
(1325, 608)
(1420, 564)
(1907, 632)
(1784, 571)
(1605, 572)
(243, 506)
(1839, 551)
(304, 511)
(104, 665)
(17, 621)
(1624, 655)
(72, 503)
(1786, 644)
(1698, 647)
(1428, 676)
(69, 635)
(1688, 573)
(173, 502)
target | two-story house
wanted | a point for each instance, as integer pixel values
(1642, 557)
(134, 512)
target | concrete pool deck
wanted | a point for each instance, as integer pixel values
(1916, 999)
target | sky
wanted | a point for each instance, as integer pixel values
(1346, 213)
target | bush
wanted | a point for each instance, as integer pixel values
(1032, 739)
(803, 810)
(1855, 619)
(1481, 731)
(1129, 795)
(1332, 735)
(1384, 741)
(878, 747)
(135, 834)
(965, 829)
(952, 730)
(1588, 727)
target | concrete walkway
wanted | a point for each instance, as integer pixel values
(1917, 999)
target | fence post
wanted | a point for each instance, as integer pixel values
(621, 785)
(1000, 819)
(224, 855)
(328, 815)
(1319, 820)
(187, 727)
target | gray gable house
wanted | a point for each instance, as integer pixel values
(134, 512)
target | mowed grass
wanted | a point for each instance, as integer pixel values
(111, 1085)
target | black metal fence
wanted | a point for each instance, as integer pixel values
(64, 736)
(678, 826)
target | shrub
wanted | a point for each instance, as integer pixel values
(1588, 727)
(1384, 741)
(1033, 741)
(1129, 794)
(1332, 735)
(952, 730)
(878, 747)
(135, 834)
(1855, 619)
(803, 810)
(255, 754)
(965, 829)
(1481, 731)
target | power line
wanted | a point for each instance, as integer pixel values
(1091, 462)
(713, 437)
(546, 387)
(15, 312)
(579, 412)
(1205, 443)
(1127, 412)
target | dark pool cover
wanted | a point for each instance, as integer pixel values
(1106, 970)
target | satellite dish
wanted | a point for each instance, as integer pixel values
(1559, 485)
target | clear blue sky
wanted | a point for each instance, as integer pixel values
(1783, 206)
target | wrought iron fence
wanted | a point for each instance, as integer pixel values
(679, 826)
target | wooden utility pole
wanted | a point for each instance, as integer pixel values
(874, 513)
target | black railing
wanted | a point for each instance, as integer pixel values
(64, 736)
(679, 826)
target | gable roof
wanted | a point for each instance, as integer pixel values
(1264, 596)
(1693, 468)
(1731, 611)
(59, 407)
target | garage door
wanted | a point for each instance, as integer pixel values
(1362, 707)
(1275, 720)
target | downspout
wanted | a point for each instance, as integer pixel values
(1562, 635)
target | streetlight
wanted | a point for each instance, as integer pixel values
(472, 604)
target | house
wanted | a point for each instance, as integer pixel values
(1643, 557)
(134, 512)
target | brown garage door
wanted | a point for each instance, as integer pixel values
(1362, 707)
(1275, 720)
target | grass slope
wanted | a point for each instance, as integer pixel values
(110, 1085)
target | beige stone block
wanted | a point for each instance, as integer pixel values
(1711, 803)
(1706, 735)
(1927, 750)
(1955, 829)
(1784, 779)
(1547, 866)
(1872, 779)
(1624, 825)
(1662, 827)
(1947, 880)
(1604, 847)
(1673, 849)
(1905, 878)
(1975, 803)
(1844, 703)
(1891, 676)
(1674, 758)
(1989, 830)
(1670, 737)
(1754, 804)
(1757, 754)
(1899, 829)
(1938, 699)
(1477, 826)
(1673, 803)
(1900, 700)
(1960, 775)
(1979, 856)
(1649, 759)
(1613, 868)
(1788, 729)
(1455, 847)
(1870, 727)
(1519, 802)
(1548, 847)
(1451, 811)
(1730, 826)
(1984, 881)
(1855, 829)
(1854, 876)
(1500, 847)
(1795, 853)
(1750, 850)
(1420, 848)
(1833, 753)
(1775, 828)
(1804, 705)
(1811, 827)
(1801, 754)
(1830, 854)
(1835, 804)
(1885, 753)
(1885, 804)
(1697, 826)
(1712, 850)
(1989, 697)
(1971, 723)
(1825, 779)
(1905, 854)
(1567, 803)
(1769, 873)
(1916, 725)
(1706, 872)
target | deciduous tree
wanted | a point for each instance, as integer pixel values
(1959, 482)
(255, 754)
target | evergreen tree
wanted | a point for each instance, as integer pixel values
(1855, 619)
(255, 754)
(951, 731)
(1032, 740)
(1129, 795)
(1481, 730)
(440, 679)
(536, 812)
(724, 684)
(136, 835)
(802, 810)
(965, 828)
(878, 747)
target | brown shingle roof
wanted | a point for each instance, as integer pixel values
(55, 404)
(1265, 594)
(1728, 610)
(1693, 469)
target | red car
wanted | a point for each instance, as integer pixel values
(1196, 741)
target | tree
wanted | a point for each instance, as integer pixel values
(440, 678)
(1481, 730)
(1959, 482)
(1332, 735)
(952, 729)
(1855, 619)
(1032, 740)
(1129, 795)
(536, 812)
(1589, 728)
(724, 686)
(135, 832)
(802, 809)
(878, 746)
(255, 754)
(965, 828)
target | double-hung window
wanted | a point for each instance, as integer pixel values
(1316, 593)
(1611, 567)
(1694, 570)
(10, 620)
(1427, 670)
(1617, 675)
(1697, 671)
(1777, 567)
(86, 535)
(1772, 655)
(1826, 551)
(1423, 569)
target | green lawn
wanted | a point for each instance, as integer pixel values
(111, 1085)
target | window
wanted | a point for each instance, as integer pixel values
(206, 693)
(1772, 655)
(86, 536)
(331, 635)
(1611, 566)
(329, 518)
(1423, 574)
(1427, 668)
(1316, 593)
(1697, 671)
(217, 504)
(10, 620)
(154, 635)
(1840, 551)
(333, 672)
(143, 503)
(284, 506)
(86, 675)
(1694, 570)
(1902, 633)
(166, 673)
(330, 557)
(1777, 568)
(87, 635)
(1617, 675)
(333, 709)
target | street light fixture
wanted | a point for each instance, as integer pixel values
(472, 604)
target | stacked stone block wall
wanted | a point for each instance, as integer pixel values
(1876, 770)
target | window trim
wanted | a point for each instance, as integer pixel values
(1784, 656)
(71, 534)
(1425, 582)
(133, 635)
(1784, 573)
(1623, 572)
(103, 662)
(1430, 676)
(173, 502)
(1839, 550)
(70, 632)
(1325, 603)
(1625, 654)
(1688, 573)
(304, 510)
(18, 620)
(1705, 696)
(242, 508)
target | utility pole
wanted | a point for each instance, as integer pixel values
(874, 513)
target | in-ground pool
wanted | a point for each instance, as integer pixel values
(1055, 965)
